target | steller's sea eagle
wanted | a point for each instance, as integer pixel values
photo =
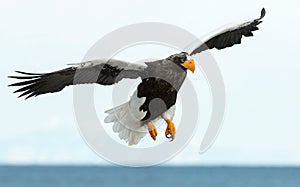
(160, 80)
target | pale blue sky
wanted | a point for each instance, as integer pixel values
(261, 76)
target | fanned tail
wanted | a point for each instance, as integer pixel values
(126, 120)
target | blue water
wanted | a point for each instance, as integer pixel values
(56, 176)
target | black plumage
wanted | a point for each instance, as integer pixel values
(160, 80)
(38, 84)
(230, 36)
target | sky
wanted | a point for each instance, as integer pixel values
(261, 76)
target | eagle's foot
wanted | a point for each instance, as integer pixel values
(170, 131)
(152, 130)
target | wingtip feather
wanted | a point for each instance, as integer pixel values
(25, 73)
(31, 95)
(262, 14)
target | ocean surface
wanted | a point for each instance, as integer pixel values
(89, 176)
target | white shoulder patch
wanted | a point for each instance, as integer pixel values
(113, 62)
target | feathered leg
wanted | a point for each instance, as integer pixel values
(152, 130)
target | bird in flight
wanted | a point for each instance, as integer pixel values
(154, 97)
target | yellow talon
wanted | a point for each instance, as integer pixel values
(152, 130)
(170, 131)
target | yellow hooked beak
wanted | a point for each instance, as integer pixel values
(189, 64)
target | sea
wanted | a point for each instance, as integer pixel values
(183, 176)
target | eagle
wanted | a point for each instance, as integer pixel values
(155, 95)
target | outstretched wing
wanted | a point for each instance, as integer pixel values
(98, 71)
(229, 36)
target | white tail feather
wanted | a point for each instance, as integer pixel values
(126, 119)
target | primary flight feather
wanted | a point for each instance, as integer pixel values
(155, 96)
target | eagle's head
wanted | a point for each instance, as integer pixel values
(182, 60)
